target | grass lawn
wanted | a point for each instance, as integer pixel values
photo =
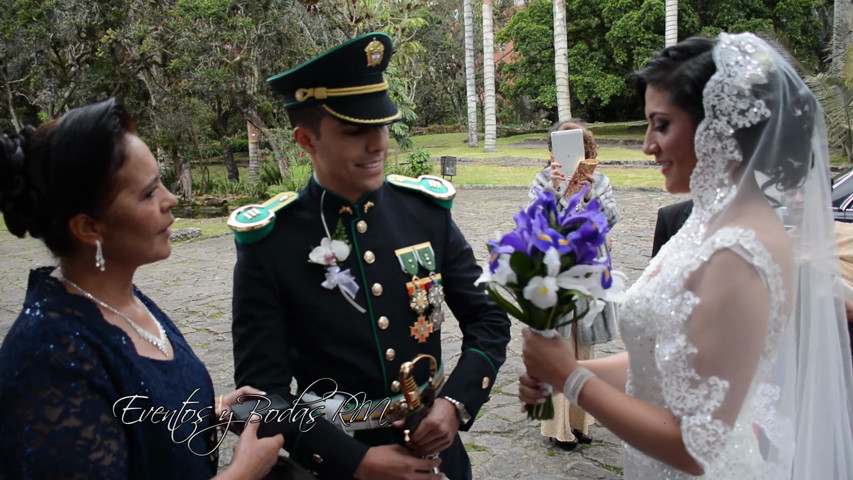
(528, 146)
(515, 175)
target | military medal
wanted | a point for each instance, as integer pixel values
(412, 257)
(436, 317)
(418, 297)
(436, 296)
(424, 293)
(408, 260)
(418, 290)
(436, 290)
(421, 329)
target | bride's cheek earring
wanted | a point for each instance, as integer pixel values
(99, 256)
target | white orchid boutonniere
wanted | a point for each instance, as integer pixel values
(333, 250)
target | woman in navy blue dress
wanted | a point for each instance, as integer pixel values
(95, 380)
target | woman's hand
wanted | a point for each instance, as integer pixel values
(548, 360)
(557, 176)
(531, 391)
(587, 179)
(253, 457)
(224, 402)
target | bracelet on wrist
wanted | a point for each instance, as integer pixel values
(575, 382)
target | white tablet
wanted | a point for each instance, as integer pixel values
(567, 147)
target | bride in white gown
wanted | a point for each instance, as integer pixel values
(738, 363)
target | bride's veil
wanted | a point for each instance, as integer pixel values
(764, 133)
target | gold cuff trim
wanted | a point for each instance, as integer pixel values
(322, 93)
(362, 120)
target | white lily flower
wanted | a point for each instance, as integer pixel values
(587, 280)
(541, 291)
(583, 278)
(552, 261)
(330, 252)
(484, 277)
(504, 273)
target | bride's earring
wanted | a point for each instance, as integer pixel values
(99, 256)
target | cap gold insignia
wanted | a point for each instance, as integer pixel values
(375, 51)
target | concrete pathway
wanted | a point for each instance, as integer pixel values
(194, 287)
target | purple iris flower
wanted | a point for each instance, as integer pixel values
(548, 238)
(585, 242)
(497, 249)
(606, 276)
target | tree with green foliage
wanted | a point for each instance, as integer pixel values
(834, 89)
(594, 78)
(611, 38)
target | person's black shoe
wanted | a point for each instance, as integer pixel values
(582, 437)
(567, 446)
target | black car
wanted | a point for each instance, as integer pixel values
(842, 197)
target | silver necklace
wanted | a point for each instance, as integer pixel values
(159, 342)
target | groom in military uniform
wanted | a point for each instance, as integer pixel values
(345, 283)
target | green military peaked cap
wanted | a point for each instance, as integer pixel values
(346, 81)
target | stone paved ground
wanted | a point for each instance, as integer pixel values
(194, 287)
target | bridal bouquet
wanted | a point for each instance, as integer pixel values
(553, 268)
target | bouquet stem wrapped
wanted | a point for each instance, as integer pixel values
(552, 270)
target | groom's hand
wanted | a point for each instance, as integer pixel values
(437, 431)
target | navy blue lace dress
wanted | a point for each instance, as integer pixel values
(67, 407)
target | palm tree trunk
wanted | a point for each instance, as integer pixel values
(671, 23)
(561, 61)
(470, 73)
(254, 152)
(491, 143)
(842, 25)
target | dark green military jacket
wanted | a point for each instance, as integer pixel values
(286, 325)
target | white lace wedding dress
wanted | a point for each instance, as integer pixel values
(757, 396)
(655, 329)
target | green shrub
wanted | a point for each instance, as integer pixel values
(239, 145)
(269, 174)
(419, 163)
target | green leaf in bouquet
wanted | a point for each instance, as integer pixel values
(523, 267)
(567, 261)
(505, 304)
(575, 315)
(541, 319)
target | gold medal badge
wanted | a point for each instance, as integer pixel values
(374, 51)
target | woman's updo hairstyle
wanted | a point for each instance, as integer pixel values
(681, 70)
(62, 169)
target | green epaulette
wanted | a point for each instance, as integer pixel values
(254, 222)
(437, 188)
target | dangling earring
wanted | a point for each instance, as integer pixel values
(99, 256)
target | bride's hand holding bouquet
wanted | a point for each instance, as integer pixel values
(550, 271)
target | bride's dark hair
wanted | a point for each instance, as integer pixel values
(684, 69)
(63, 168)
(681, 70)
